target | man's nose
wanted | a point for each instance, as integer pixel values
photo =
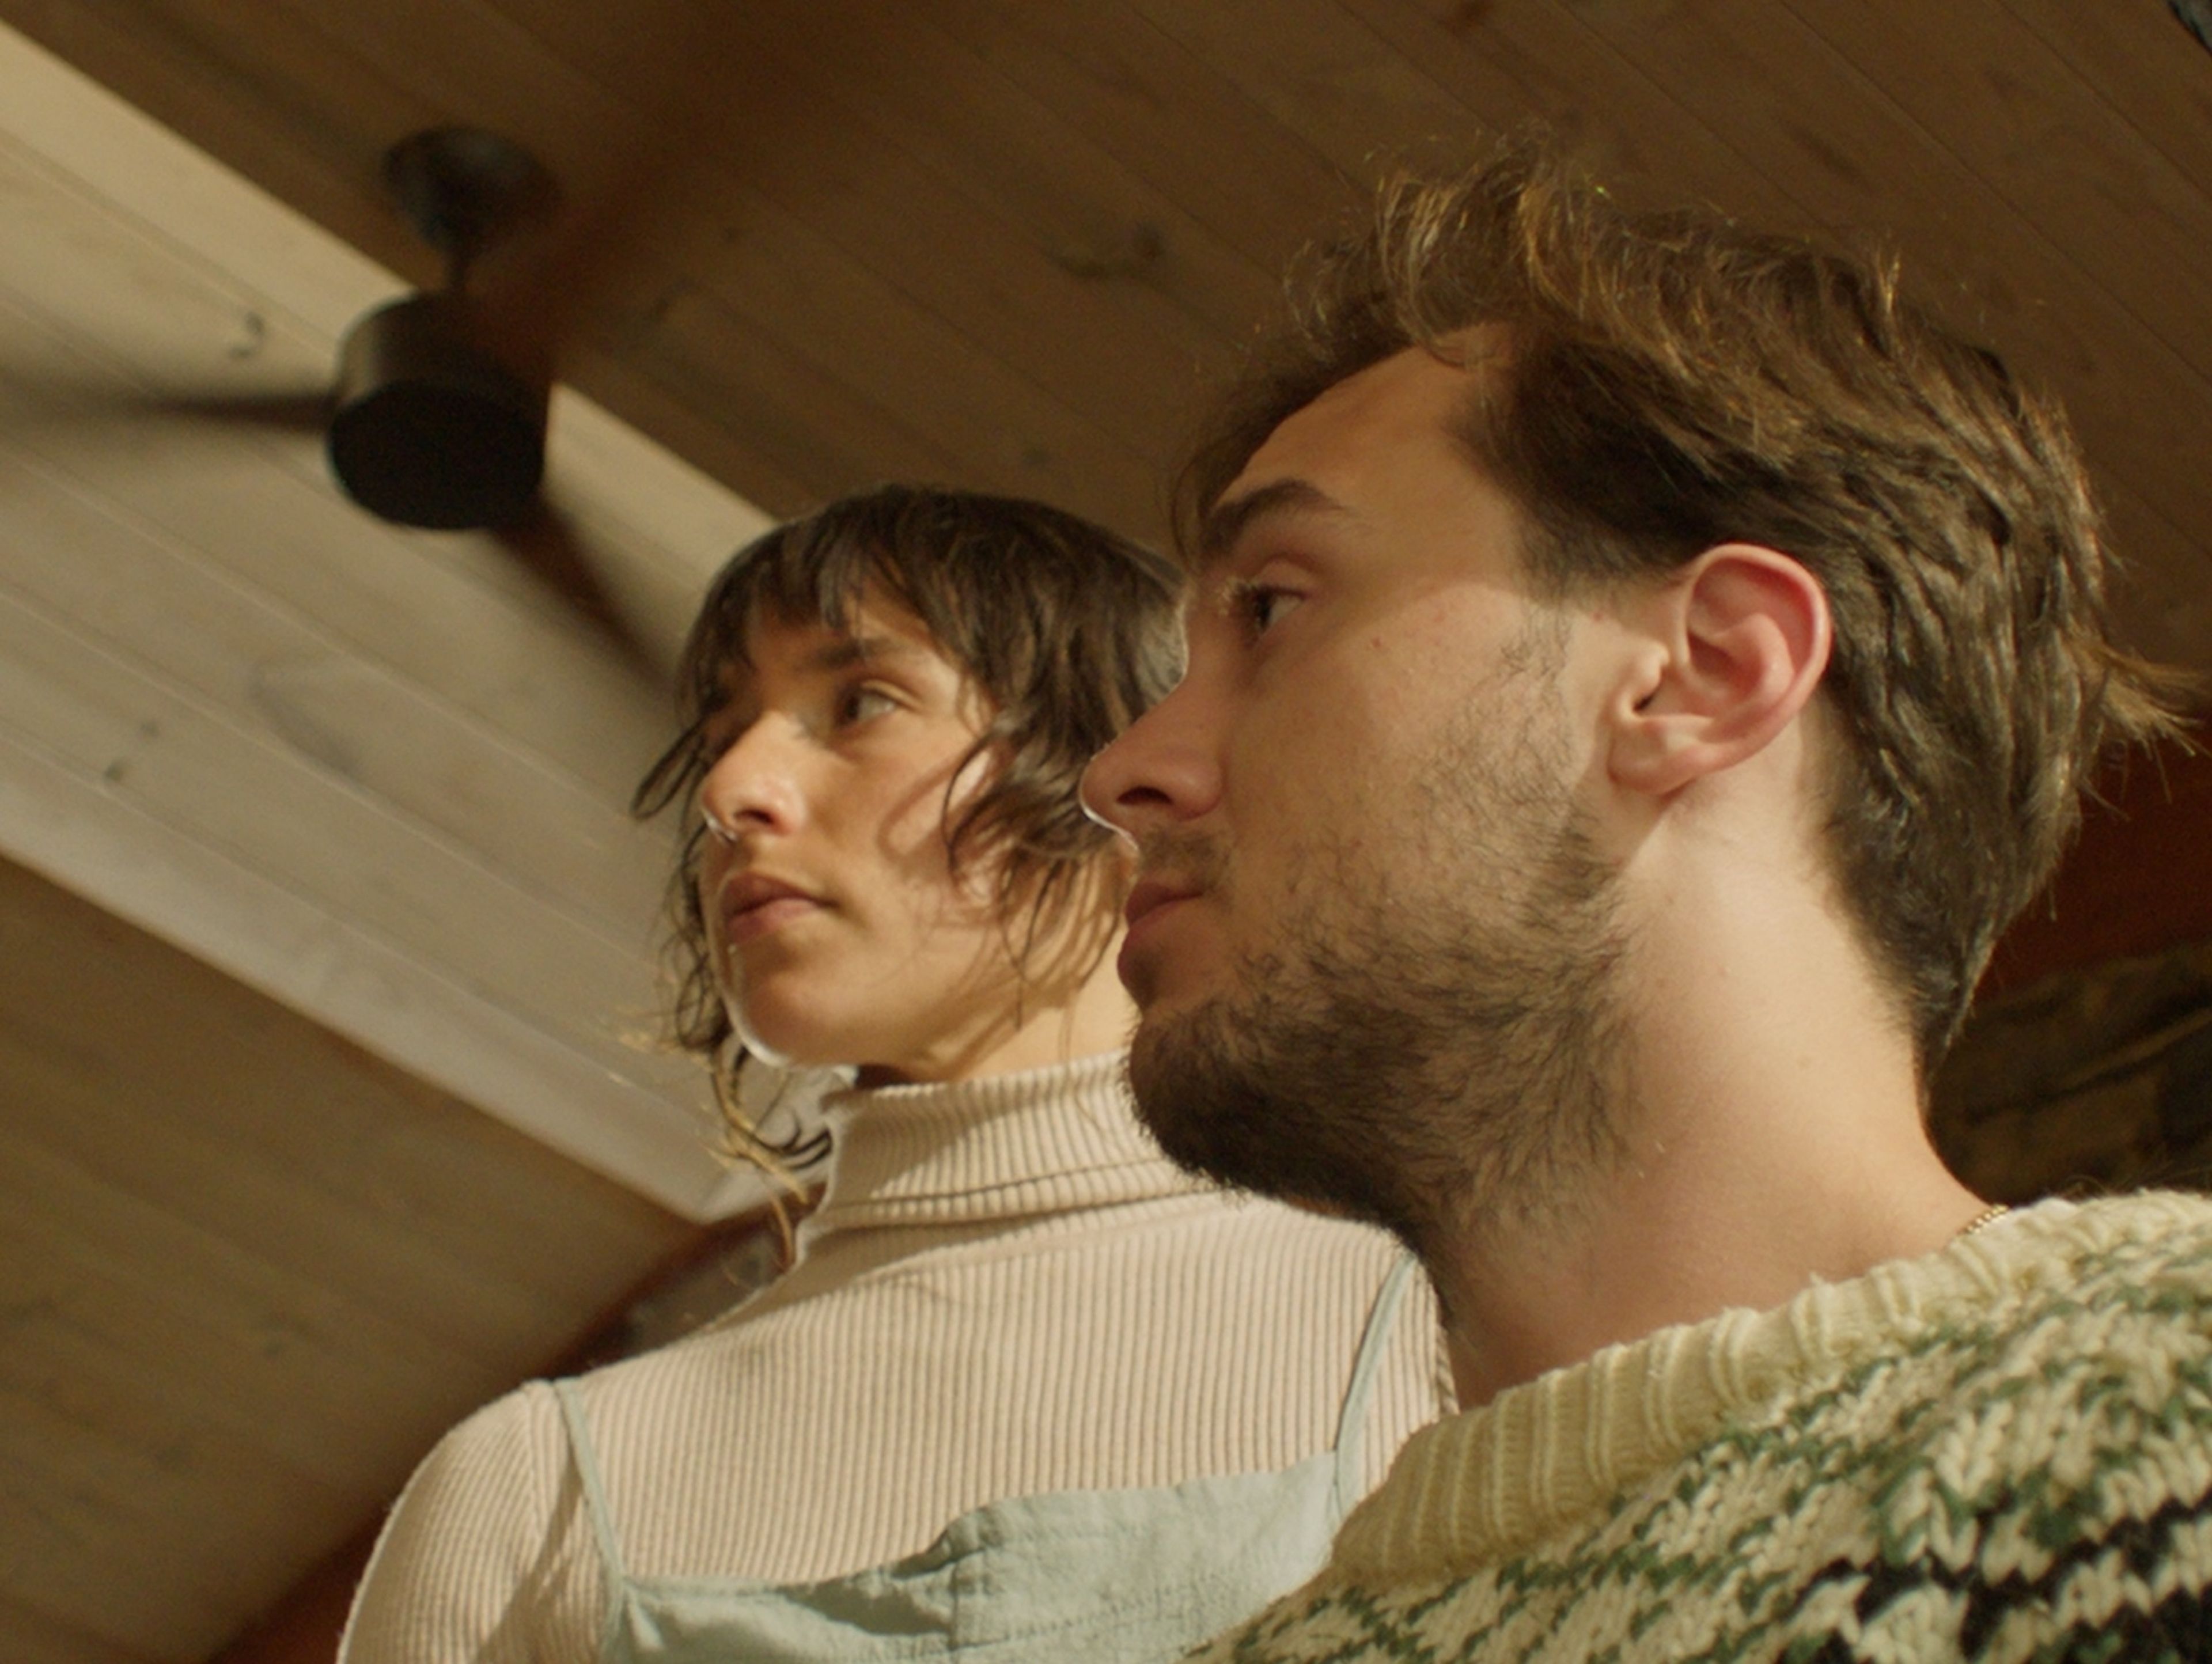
(1160, 773)
(751, 787)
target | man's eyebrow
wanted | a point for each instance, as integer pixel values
(1228, 521)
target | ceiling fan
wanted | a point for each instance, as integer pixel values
(437, 418)
(436, 414)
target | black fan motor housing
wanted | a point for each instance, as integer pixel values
(428, 427)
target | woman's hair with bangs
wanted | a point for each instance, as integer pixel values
(1069, 631)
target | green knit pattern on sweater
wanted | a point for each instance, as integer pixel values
(2025, 1480)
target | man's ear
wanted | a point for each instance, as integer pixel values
(1739, 639)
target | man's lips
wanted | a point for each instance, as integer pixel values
(1151, 903)
(753, 904)
(1149, 895)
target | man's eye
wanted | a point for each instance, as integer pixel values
(1259, 607)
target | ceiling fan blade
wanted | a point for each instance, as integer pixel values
(542, 290)
(52, 399)
(293, 412)
(547, 543)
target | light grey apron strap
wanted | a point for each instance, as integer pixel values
(1351, 1420)
(595, 1493)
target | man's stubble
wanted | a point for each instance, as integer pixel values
(1430, 1041)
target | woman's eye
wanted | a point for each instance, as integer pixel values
(860, 701)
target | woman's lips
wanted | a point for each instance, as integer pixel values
(753, 906)
(754, 921)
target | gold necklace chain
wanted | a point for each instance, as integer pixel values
(1988, 1216)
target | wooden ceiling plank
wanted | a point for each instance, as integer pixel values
(415, 1211)
(821, 166)
(1138, 93)
(2144, 64)
(326, 716)
(32, 1633)
(143, 1557)
(792, 411)
(219, 1369)
(152, 748)
(196, 1466)
(1339, 87)
(90, 143)
(1009, 149)
(264, 1367)
(449, 614)
(2162, 603)
(1758, 81)
(316, 150)
(641, 1123)
(854, 335)
(705, 440)
(2063, 158)
(120, 1244)
(837, 379)
(994, 430)
(159, 610)
(101, 1270)
(923, 91)
(1544, 62)
(606, 470)
(1101, 342)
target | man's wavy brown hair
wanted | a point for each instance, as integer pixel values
(1670, 382)
(1068, 631)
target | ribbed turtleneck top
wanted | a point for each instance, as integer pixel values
(1007, 1290)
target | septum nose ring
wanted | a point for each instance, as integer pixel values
(715, 829)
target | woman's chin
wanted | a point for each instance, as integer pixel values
(786, 1039)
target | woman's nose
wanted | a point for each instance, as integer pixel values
(750, 789)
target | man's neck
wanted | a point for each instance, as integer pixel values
(1774, 1139)
(1519, 1309)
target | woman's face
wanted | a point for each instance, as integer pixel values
(838, 927)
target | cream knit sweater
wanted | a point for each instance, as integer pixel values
(1007, 1291)
(2002, 1452)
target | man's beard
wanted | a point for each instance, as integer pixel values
(1433, 1046)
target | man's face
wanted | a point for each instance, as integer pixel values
(1367, 900)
